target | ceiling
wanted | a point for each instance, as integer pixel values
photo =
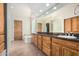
(36, 7)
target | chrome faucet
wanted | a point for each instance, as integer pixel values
(68, 34)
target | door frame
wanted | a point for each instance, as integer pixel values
(5, 27)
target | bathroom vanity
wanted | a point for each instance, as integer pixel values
(54, 45)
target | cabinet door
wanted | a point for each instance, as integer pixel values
(67, 25)
(46, 39)
(78, 24)
(1, 39)
(70, 44)
(69, 52)
(47, 42)
(39, 42)
(46, 50)
(46, 45)
(1, 19)
(74, 24)
(1, 47)
(56, 50)
(34, 39)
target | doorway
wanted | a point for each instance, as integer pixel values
(47, 27)
(39, 27)
(17, 30)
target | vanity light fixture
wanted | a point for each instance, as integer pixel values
(47, 4)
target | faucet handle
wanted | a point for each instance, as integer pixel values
(72, 34)
(66, 33)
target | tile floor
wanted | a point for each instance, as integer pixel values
(20, 48)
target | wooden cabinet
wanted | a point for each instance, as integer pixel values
(34, 39)
(2, 26)
(72, 24)
(46, 45)
(46, 50)
(56, 50)
(78, 24)
(40, 41)
(59, 48)
(1, 19)
(56, 46)
(70, 44)
(67, 25)
(1, 39)
(1, 47)
(69, 52)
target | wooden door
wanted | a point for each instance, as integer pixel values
(17, 30)
(67, 25)
(74, 24)
(69, 52)
(39, 27)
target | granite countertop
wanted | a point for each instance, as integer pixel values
(55, 36)
(71, 39)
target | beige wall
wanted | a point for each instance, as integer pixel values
(18, 12)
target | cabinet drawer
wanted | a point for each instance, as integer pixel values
(39, 37)
(69, 44)
(46, 45)
(69, 52)
(46, 51)
(35, 36)
(1, 38)
(39, 40)
(46, 39)
(1, 47)
(39, 43)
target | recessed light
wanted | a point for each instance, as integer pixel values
(41, 10)
(47, 4)
(54, 7)
(46, 12)
(12, 7)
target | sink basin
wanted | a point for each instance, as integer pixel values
(70, 37)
